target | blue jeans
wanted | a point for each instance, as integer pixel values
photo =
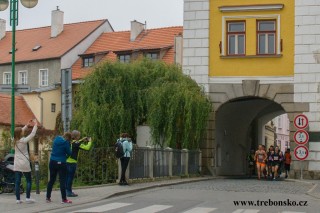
(61, 169)
(18, 176)
(71, 170)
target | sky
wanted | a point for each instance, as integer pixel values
(156, 13)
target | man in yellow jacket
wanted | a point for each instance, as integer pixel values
(76, 145)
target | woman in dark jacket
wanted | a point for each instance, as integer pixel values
(60, 151)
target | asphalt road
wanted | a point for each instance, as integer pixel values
(217, 196)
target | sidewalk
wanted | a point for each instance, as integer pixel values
(86, 195)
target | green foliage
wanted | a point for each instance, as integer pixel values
(117, 97)
(5, 140)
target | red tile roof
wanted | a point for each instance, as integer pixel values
(22, 111)
(120, 41)
(50, 47)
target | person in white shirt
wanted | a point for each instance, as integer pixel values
(21, 164)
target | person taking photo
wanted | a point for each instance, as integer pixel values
(72, 161)
(21, 165)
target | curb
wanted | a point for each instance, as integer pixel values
(309, 192)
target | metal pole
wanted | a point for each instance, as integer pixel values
(301, 176)
(36, 168)
(13, 23)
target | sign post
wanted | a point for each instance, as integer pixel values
(301, 137)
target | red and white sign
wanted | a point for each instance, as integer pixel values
(301, 121)
(301, 137)
(301, 152)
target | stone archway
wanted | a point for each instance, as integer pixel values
(237, 108)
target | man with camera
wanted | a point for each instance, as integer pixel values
(76, 144)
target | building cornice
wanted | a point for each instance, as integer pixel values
(246, 8)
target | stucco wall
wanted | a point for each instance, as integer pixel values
(33, 68)
(46, 117)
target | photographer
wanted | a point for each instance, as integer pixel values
(72, 161)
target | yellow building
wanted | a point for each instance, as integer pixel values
(256, 60)
(254, 38)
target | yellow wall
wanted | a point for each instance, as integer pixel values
(49, 118)
(251, 65)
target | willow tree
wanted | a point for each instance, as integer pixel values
(117, 97)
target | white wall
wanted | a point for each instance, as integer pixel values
(307, 67)
(196, 40)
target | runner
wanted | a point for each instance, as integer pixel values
(276, 159)
(269, 161)
(260, 158)
(250, 159)
(287, 161)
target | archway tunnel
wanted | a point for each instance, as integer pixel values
(240, 127)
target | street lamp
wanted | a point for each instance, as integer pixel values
(14, 23)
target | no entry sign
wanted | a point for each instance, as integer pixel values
(301, 152)
(301, 137)
(301, 121)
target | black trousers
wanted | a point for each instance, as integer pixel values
(124, 166)
(55, 169)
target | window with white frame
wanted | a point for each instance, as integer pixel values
(88, 61)
(7, 78)
(23, 77)
(236, 36)
(43, 77)
(266, 37)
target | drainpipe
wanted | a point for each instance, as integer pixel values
(41, 108)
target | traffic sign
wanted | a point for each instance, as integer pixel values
(301, 121)
(301, 152)
(301, 137)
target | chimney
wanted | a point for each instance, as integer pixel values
(136, 29)
(56, 22)
(2, 28)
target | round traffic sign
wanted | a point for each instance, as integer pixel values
(301, 152)
(301, 121)
(301, 137)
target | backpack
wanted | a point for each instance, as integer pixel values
(118, 149)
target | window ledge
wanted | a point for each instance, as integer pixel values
(251, 56)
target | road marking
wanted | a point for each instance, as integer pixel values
(200, 210)
(292, 212)
(151, 209)
(106, 207)
(246, 211)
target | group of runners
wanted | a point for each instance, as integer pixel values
(269, 163)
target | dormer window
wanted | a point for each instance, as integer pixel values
(124, 58)
(88, 61)
(153, 56)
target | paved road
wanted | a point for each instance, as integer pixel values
(215, 196)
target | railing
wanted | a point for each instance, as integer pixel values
(99, 165)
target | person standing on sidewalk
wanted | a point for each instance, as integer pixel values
(72, 160)
(287, 162)
(127, 148)
(22, 159)
(60, 151)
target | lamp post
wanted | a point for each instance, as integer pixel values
(14, 5)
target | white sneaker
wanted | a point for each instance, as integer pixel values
(19, 201)
(30, 200)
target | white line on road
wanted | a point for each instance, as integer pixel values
(246, 211)
(292, 212)
(104, 208)
(151, 209)
(200, 210)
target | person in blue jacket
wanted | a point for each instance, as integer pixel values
(60, 151)
(127, 148)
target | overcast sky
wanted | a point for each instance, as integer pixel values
(157, 13)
